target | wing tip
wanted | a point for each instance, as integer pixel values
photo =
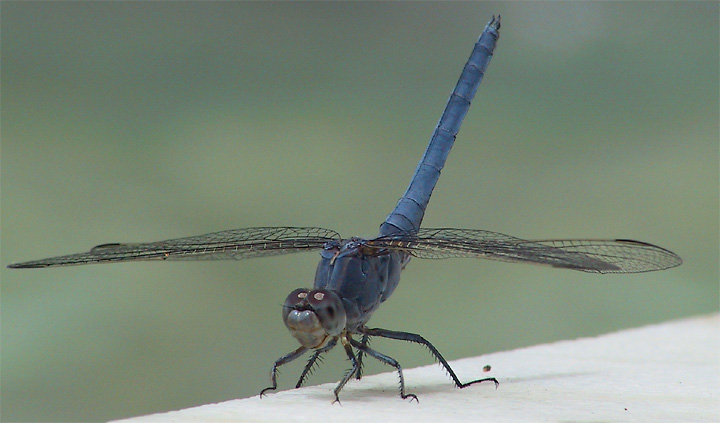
(674, 260)
(26, 265)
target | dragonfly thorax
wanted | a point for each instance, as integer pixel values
(314, 316)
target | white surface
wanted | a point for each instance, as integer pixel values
(662, 373)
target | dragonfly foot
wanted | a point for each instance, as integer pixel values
(264, 391)
(411, 396)
(488, 379)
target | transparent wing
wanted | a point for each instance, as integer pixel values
(595, 256)
(234, 244)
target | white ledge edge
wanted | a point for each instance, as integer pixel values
(667, 372)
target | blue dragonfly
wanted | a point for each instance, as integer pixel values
(355, 275)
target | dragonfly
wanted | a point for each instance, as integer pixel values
(356, 275)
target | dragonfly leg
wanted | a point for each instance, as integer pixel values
(346, 340)
(365, 340)
(387, 360)
(412, 337)
(317, 356)
(280, 361)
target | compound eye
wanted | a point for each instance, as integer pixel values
(329, 310)
(301, 320)
(294, 300)
(296, 297)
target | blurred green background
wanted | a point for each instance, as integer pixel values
(131, 121)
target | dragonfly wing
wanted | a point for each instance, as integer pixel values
(596, 256)
(233, 244)
(626, 255)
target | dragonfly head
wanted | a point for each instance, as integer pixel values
(314, 316)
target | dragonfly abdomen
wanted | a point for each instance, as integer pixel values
(410, 210)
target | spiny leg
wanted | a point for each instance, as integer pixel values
(346, 340)
(313, 359)
(280, 361)
(412, 337)
(387, 360)
(365, 341)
